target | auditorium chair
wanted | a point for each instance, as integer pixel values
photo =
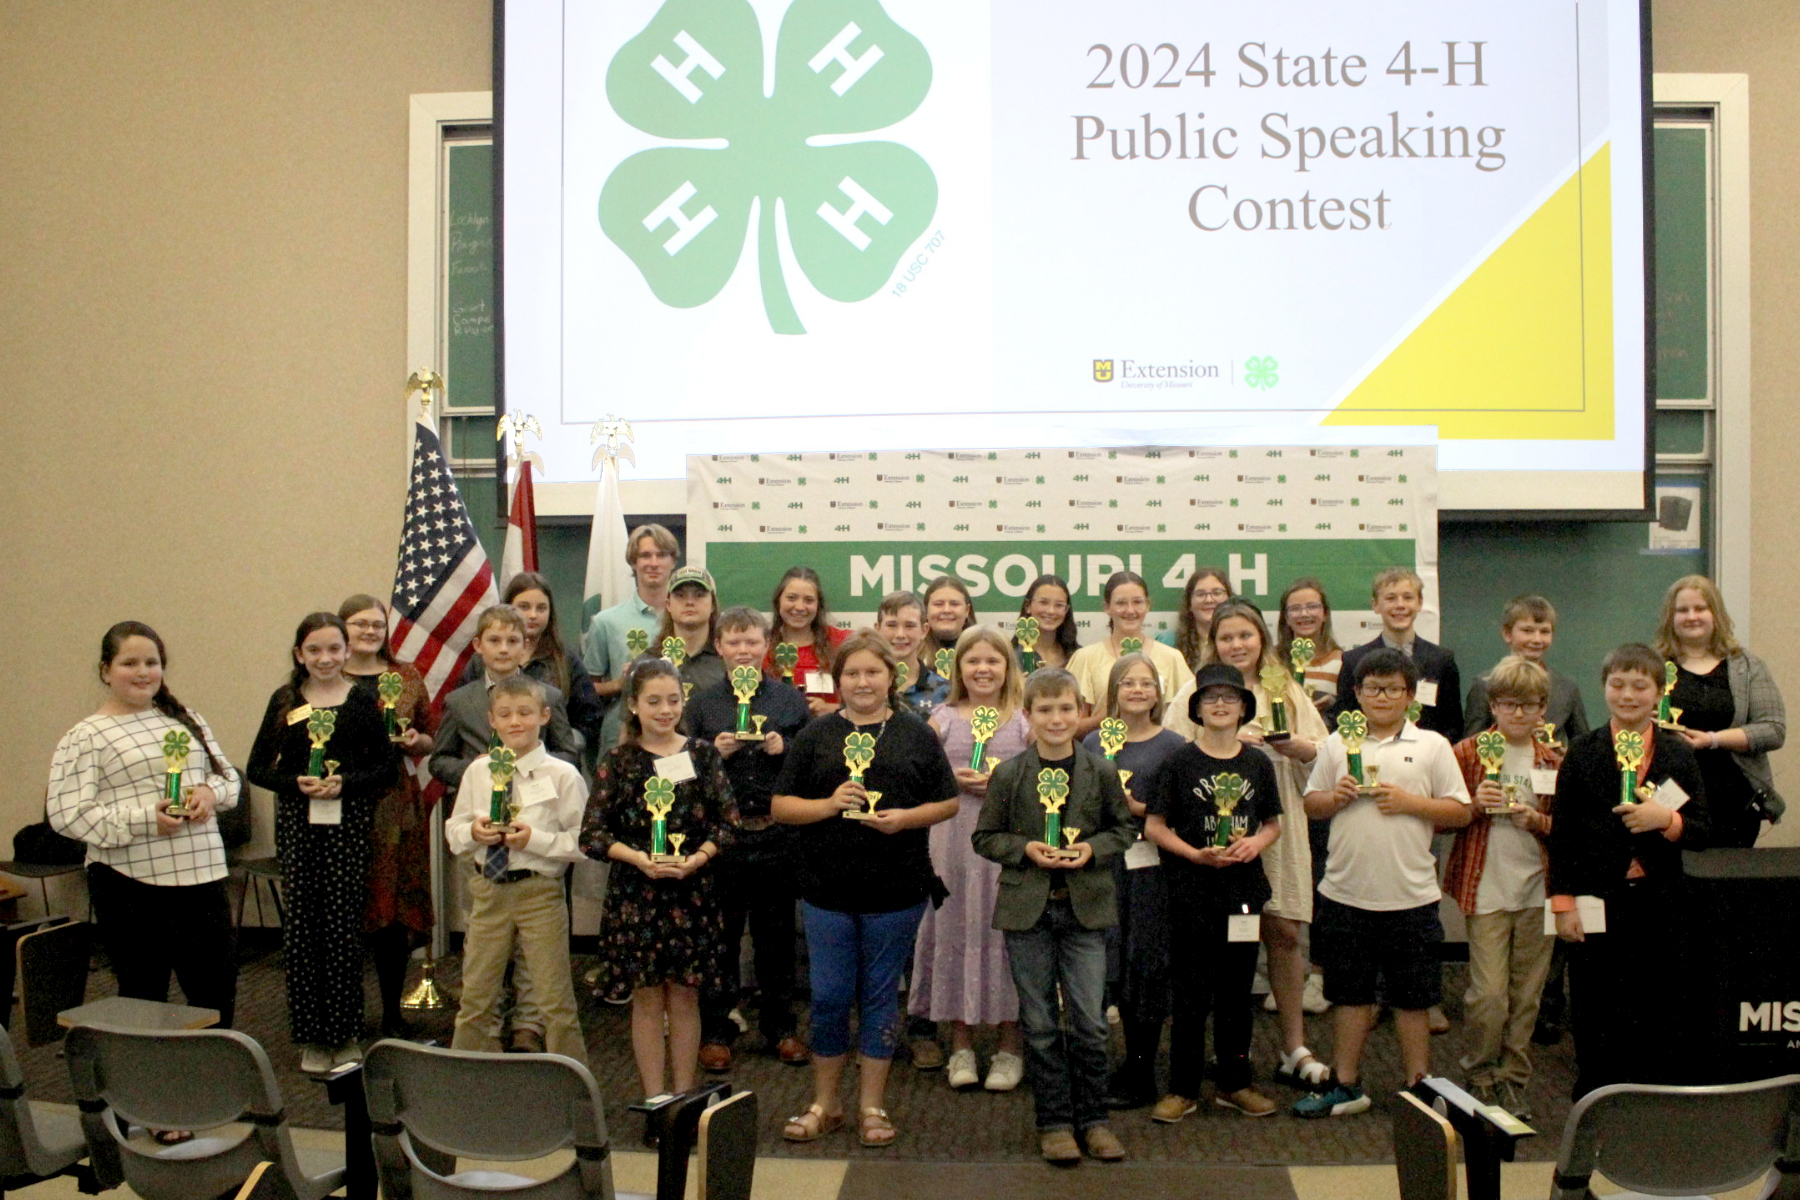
(215, 1083)
(1683, 1141)
(36, 1142)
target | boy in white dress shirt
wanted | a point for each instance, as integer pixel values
(516, 871)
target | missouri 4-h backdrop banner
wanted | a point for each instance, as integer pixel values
(873, 522)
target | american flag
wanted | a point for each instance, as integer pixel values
(443, 580)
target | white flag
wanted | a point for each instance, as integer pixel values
(609, 578)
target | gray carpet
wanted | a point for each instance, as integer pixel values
(936, 1124)
(1121, 1181)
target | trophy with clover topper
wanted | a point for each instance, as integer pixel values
(943, 661)
(636, 642)
(501, 765)
(1026, 633)
(388, 689)
(175, 746)
(859, 752)
(1490, 750)
(659, 798)
(787, 657)
(675, 650)
(1628, 751)
(902, 676)
(1300, 655)
(319, 728)
(1053, 793)
(984, 722)
(1353, 728)
(1668, 716)
(744, 682)
(1228, 793)
(1112, 737)
(1131, 645)
(1274, 679)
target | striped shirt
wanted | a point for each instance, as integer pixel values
(106, 782)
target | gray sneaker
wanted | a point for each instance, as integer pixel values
(1512, 1099)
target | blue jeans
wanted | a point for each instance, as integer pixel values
(1067, 1071)
(857, 958)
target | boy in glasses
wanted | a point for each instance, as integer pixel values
(1495, 872)
(1377, 916)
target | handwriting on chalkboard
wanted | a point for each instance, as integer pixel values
(471, 244)
(471, 320)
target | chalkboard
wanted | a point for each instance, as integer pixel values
(1683, 327)
(469, 277)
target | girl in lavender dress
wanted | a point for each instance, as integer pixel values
(960, 972)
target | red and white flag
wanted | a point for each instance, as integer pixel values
(443, 579)
(520, 551)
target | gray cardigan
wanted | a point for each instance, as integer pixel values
(1757, 710)
(1011, 816)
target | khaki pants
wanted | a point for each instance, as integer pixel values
(532, 914)
(1509, 958)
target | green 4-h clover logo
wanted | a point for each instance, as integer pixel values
(659, 797)
(1053, 788)
(175, 750)
(1259, 372)
(1228, 790)
(851, 210)
(859, 752)
(1490, 748)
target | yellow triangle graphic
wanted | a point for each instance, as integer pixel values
(1523, 348)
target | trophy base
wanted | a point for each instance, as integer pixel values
(1277, 737)
(178, 812)
(855, 814)
(1064, 853)
(668, 860)
(1367, 789)
(745, 735)
(1672, 726)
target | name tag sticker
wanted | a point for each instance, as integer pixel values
(1427, 693)
(299, 714)
(1244, 927)
(536, 790)
(1141, 854)
(676, 768)
(1670, 795)
(1543, 781)
(324, 812)
(819, 682)
(1591, 910)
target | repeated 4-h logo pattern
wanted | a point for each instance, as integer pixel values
(842, 67)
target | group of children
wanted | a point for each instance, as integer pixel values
(1030, 823)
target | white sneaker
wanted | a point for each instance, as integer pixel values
(316, 1060)
(961, 1071)
(1313, 998)
(1005, 1073)
(349, 1052)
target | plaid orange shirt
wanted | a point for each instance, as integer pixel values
(1468, 854)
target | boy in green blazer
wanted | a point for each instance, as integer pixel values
(1055, 910)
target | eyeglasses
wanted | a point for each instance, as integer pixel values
(1211, 594)
(1221, 698)
(1299, 609)
(1386, 691)
(367, 624)
(1517, 708)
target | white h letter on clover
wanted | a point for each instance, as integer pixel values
(686, 228)
(837, 50)
(678, 77)
(861, 203)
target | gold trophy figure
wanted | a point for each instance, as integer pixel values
(859, 752)
(388, 687)
(984, 722)
(1545, 736)
(675, 650)
(1300, 656)
(319, 728)
(1026, 633)
(1125, 779)
(175, 746)
(1228, 792)
(1053, 793)
(1628, 751)
(787, 657)
(1274, 678)
(1353, 727)
(1071, 835)
(1112, 737)
(675, 840)
(744, 682)
(659, 798)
